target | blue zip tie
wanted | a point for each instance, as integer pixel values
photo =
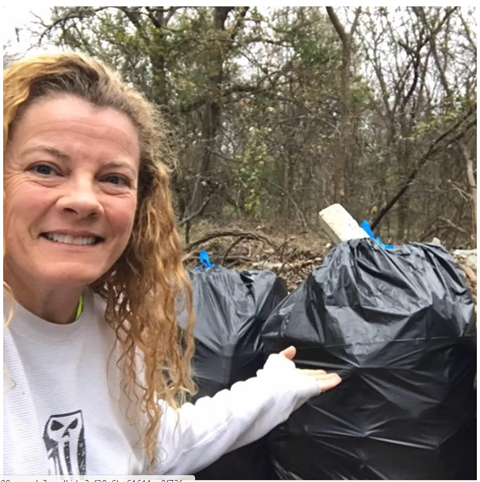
(204, 261)
(366, 227)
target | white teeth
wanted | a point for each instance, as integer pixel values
(67, 239)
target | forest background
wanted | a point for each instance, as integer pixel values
(276, 113)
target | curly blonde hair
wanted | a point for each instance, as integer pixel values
(142, 287)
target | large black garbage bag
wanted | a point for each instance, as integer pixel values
(397, 325)
(231, 308)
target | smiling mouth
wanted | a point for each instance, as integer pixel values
(73, 240)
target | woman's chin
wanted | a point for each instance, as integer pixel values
(71, 278)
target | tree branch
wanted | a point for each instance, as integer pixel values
(358, 11)
(472, 185)
(434, 147)
(239, 22)
(223, 234)
(337, 25)
(171, 13)
(78, 13)
(199, 210)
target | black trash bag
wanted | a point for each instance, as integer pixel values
(231, 308)
(398, 326)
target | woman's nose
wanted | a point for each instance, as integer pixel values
(81, 198)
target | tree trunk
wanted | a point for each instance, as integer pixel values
(344, 141)
(472, 184)
(212, 108)
(342, 149)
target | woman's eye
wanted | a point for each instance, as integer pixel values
(43, 169)
(117, 180)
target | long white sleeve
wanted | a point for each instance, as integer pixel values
(83, 388)
(232, 418)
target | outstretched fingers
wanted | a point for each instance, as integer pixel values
(309, 371)
(326, 381)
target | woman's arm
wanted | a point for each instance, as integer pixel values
(232, 418)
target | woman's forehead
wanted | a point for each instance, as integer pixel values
(64, 118)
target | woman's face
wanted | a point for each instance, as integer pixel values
(70, 181)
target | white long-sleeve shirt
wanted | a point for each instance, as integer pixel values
(65, 413)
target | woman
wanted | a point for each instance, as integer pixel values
(95, 369)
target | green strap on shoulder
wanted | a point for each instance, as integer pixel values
(79, 308)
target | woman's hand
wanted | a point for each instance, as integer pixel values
(325, 380)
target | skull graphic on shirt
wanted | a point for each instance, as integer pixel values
(64, 438)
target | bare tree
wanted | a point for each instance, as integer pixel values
(344, 141)
(8, 56)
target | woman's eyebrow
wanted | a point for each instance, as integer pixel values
(49, 150)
